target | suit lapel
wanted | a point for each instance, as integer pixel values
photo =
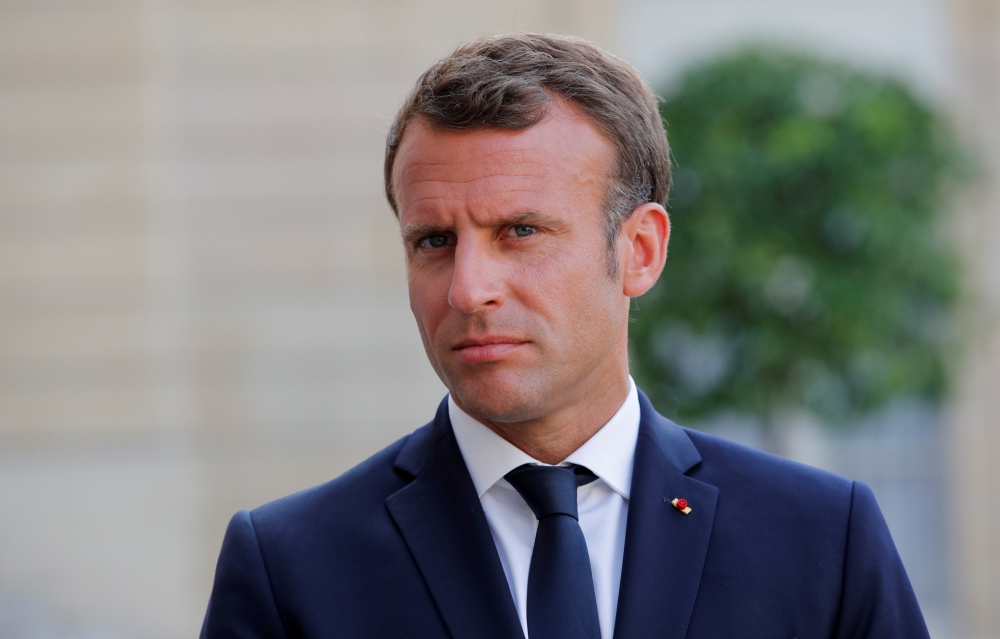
(664, 549)
(441, 519)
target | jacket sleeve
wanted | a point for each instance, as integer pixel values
(877, 600)
(241, 605)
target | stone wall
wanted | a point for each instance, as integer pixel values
(975, 424)
(202, 299)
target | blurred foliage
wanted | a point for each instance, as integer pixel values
(807, 265)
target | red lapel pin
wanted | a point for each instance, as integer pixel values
(682, 505)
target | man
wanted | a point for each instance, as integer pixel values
(547, 498)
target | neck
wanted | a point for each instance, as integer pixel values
(554, 437)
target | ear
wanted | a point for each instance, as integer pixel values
(642, 248)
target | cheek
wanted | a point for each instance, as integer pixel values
(571, 286)
(427, 301)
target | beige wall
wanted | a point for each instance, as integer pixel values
(202, 303)
(976, 421)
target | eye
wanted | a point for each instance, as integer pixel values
(435, 241)
(521, 230)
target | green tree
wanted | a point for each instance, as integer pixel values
(807, 264)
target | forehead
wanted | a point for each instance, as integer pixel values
(563, 152)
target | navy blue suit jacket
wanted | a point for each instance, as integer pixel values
(399, 547)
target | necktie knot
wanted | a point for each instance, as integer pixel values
(549, 490)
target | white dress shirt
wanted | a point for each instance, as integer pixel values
(603, 503)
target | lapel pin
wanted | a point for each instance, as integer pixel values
(682, 505)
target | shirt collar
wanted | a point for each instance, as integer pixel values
(609, 454)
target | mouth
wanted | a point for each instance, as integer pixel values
(489, 348)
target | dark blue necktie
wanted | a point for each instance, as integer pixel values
(561, 599)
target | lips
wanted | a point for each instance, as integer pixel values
(486, 349)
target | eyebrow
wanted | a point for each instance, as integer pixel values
(412, 232)
(531, 216)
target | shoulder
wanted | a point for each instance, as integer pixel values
(743, 475)
(358, 494)
(751, 479)
(725, 459)
(780, 529)
(351, 508)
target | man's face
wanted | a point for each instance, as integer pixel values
(507, 265)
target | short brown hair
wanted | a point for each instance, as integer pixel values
(508, 81)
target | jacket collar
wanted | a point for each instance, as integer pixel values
(442, 521)
(665, 549)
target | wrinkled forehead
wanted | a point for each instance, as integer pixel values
(564, 147)
(427, 150)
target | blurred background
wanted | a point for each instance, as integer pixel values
(202, 300)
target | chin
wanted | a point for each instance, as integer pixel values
(502, 400)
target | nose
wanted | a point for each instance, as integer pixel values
(476, 279)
